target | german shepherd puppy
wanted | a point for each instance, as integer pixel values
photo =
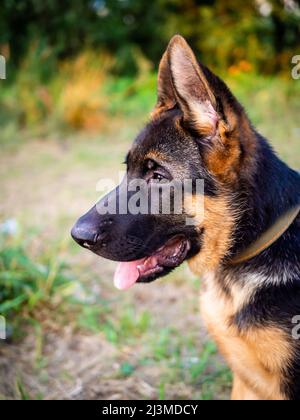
(198, 130)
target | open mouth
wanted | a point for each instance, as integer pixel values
(169, 256)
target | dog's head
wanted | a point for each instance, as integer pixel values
(198, 131)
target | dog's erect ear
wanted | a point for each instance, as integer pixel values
(181, 81)
(208, 107)
(166, 98)
(191, 88)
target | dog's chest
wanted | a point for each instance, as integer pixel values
(217, 311)
(250, 354)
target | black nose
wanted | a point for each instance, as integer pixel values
(92, 229)
(84, 235)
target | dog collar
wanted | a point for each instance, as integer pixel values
(267, 238)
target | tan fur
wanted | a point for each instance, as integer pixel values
(224, 159)
(241, 392)
(256, 356)
(155, 155)
(215, 241)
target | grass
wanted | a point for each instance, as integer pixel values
(25, 283)
(76, 335)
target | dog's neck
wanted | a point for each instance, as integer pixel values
(274, 189)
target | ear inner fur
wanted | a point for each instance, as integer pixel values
(191, 88)
(165, 92)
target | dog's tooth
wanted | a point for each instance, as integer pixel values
(176, 252)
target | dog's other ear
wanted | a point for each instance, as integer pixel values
(192, 90)
(166, 98)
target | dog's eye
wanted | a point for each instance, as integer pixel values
(158, 177)
(154, 172)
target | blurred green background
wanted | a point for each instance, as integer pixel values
(81, 80)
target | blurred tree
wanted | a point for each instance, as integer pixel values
(61, 25)
(259, 34)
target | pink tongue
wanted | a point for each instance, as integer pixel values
(127, 274)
